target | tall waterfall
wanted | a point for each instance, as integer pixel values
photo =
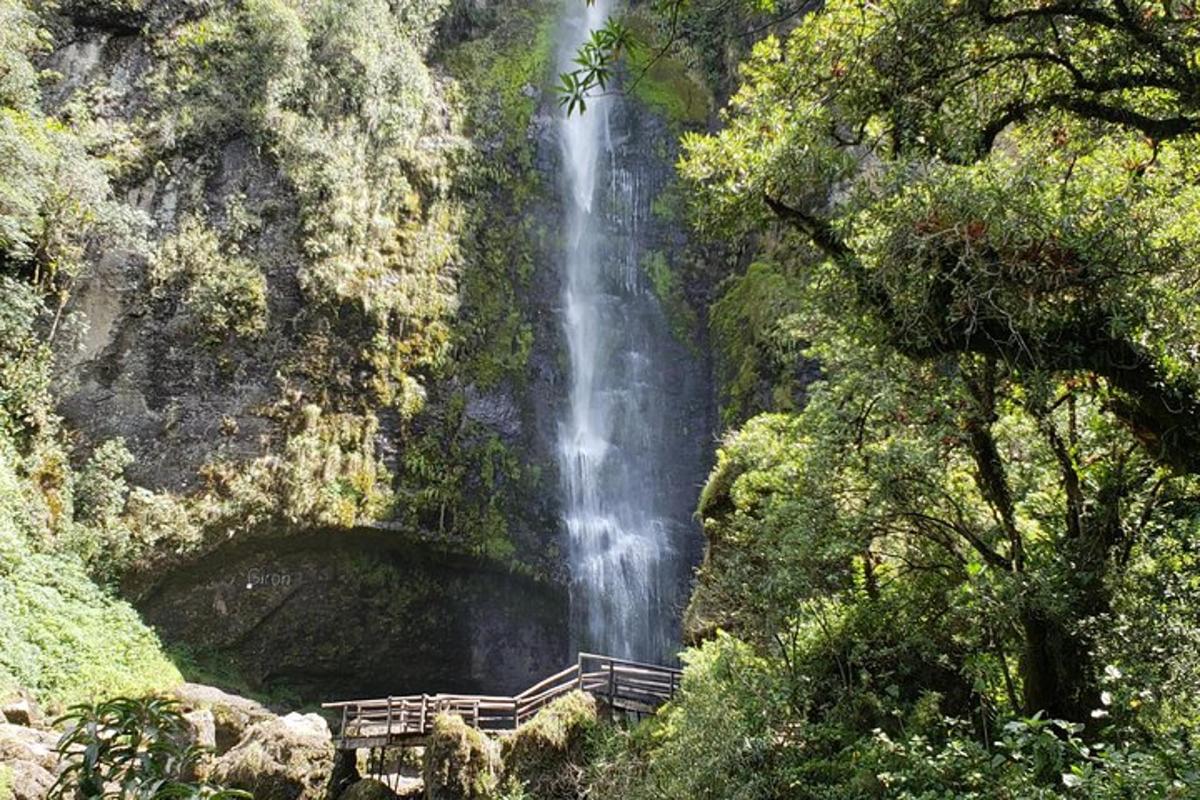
(626, 523)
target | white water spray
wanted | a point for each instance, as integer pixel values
(613, 438)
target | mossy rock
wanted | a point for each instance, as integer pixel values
(368, 789)
(285, 758)
(461, 763)
(547, 755)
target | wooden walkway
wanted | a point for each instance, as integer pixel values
(625, 686)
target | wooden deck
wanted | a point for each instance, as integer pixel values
(622, 685)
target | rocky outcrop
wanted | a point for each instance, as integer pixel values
(360, 614)
(368, 789)
(227, 715)
(275, 757)
(22, 710)
(548, 754)
(285, 758)
(460, 762)
(28, 755)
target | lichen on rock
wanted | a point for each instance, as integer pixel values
(461, 763)
(547, 755)
(284, 758)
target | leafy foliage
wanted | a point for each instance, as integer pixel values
(65, 638)
(223, 295)
(130, 748)
(961, 564)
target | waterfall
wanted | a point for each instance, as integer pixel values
(623, 519)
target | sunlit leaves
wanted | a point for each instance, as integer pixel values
(595, 62)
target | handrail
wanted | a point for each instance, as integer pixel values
(624, 685)
(615, 660)
(556, 676)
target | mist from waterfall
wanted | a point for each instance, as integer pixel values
(621, 524)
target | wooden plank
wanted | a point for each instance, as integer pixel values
(558, 676)
(627, 662)
(624, 684)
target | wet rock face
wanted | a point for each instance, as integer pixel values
(360, 614)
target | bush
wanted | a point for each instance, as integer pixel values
(138, 747)
(224, 295)
(65, 638)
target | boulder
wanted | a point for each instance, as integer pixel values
(201, 728)
(368, 789)
(548, 754)
(19, 743)
(281, 758)
(22, 710)
(28, 760)
(460, 762)
(26, 780)
(231, 714)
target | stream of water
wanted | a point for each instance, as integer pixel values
(615, 438)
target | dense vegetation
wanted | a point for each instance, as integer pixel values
(64, 637)
(963, 562)
(271, 195)
(131, 748)
(952, 528)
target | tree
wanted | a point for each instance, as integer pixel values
(1005, 194)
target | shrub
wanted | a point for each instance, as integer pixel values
(137, 747)
(65, 638)
(224, 295)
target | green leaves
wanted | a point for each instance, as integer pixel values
(134, 749)
(596, 61)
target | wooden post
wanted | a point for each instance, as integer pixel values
(424, 706)
(612, 683)
(389, 719)
(579, 670)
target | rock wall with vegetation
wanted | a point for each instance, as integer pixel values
(279, 269)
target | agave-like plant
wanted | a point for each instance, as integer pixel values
(133, 749)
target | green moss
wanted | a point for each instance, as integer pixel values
(667, 85)
(680, 314)
(215, 668)
(501, 74)
(547, 755)
(460, 762)
(6, 792)
(666, 206)
(756, 340)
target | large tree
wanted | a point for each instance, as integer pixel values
(1009, 190)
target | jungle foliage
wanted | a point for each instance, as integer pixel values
(962, 562)
(131, 748)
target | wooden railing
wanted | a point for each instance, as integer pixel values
(623, 685)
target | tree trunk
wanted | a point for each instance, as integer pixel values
(1058, 677)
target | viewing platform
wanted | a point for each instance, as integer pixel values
(621, 685)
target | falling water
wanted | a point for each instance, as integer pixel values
(621, 516)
